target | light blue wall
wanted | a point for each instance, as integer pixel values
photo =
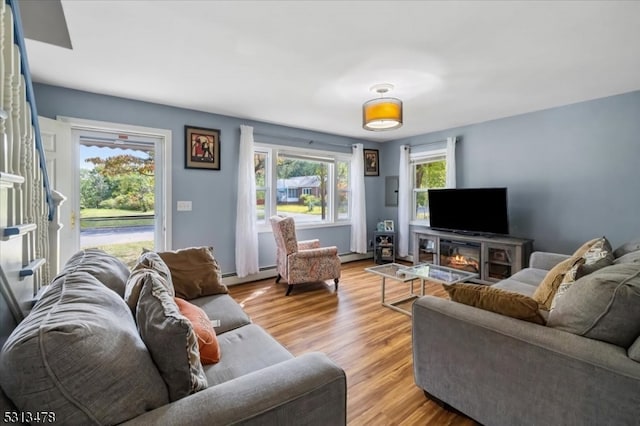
(213, 193)
(572, 172)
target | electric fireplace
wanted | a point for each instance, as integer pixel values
(460, 255)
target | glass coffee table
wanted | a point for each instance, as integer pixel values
(423, 272)
(396, 272)
(439, 274)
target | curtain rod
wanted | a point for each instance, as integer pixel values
(424, 144)
(301, 139)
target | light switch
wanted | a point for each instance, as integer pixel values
(184, 206)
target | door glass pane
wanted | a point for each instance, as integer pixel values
(117, 200)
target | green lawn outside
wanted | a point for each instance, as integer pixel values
(145, 218)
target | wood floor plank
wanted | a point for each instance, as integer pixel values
(370, 342)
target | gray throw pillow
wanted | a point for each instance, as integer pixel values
(602, 305)
(170, 337)
(633, 245)
(78, 355)
(108, 269)
(631, 257)
(147, 261)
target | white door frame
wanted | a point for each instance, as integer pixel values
(163, 232)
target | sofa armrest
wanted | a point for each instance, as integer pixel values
(309, 389)
(546, 260)
(499, 370)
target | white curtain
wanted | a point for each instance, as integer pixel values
(358, 202)
(451, 163)
(404, 201)
(246, 231)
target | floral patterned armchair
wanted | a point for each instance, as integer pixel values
(304, 261)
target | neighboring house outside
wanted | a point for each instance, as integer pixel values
(290, 190)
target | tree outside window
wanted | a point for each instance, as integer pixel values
(428, 174)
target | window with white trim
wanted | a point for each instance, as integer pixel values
(428, 171)
(311, 186)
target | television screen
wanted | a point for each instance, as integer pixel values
(472, 210)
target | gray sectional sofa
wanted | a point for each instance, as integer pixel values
(499, 370)
(78, 357)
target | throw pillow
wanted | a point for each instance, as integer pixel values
(549, 286)
(77, 354)
(151, 260)
(108, 269)
(602, 305)
(170, 338)
(148, 261)
(496, 300)
(633, 245)
(596, 257)
(195, 272)
(631, 257)
(207, 339)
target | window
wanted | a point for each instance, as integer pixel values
(428, 172)
(312, 186)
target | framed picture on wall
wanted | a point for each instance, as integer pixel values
(371, 163)
(202, 148)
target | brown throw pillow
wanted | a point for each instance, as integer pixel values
(194, 271)
(547, 289)
(496, 300)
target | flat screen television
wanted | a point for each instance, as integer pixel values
(469, 210)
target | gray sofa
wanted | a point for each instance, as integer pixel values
(94, 379)
(504, 371)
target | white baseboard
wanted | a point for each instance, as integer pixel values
(270, 271)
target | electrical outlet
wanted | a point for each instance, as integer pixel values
(184, 206)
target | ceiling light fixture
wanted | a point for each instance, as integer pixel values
(382, 113)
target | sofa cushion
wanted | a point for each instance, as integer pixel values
(602, 305)
(525, 281)
(78, 354)
(634, 350)
(223, 310)
(496, 300)
(633, 245)
(547, 289)
(245, 349)
(170, 338)
(108, 269)
(195, 272)
(207, 340)
(631, 257)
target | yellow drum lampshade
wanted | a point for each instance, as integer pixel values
(382, 114)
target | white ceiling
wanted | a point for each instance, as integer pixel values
(310, 64)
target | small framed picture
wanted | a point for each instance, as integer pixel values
(202, 148)
(371, 163)
(388, 225)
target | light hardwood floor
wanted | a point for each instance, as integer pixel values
(370, 342)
